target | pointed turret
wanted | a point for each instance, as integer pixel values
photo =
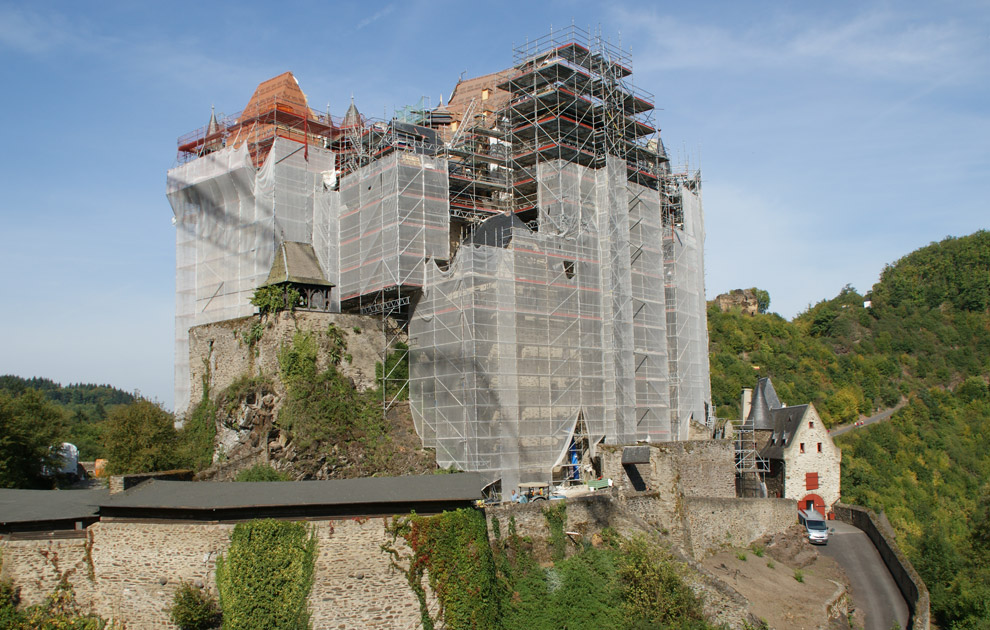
(212, 127)
(214, 140)
(353, 117)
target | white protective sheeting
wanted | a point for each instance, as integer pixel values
(394, 213)
(512, 345)
(229, 218)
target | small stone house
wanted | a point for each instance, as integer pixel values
(804, 463)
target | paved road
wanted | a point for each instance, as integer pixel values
(873, 590)
(880, 417)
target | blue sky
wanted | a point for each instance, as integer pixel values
(833, 137)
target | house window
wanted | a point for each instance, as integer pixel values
(802, 447)
(811, 481)
(819, 447)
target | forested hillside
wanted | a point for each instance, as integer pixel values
(84, 406)
(924, 338)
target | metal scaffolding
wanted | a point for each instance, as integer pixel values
(540, 257)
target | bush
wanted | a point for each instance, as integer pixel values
(58, 611)
(10, 597)
(262, 472)
(265, 577)
(194, 609)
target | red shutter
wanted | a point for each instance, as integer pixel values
(811, 481)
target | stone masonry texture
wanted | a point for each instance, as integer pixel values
(132, 571)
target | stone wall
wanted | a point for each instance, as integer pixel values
(220, 348)
(702, 468)
(130, 571)
(36, 566)
(908, 581)
(139, 566)
(714, 523)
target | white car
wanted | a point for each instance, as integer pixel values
(815, 526)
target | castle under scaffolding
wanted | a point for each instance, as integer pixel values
(529, 241)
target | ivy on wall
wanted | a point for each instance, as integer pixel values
(265, 578)
(453, 548)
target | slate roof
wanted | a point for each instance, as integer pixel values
(495, 231)
(189, 495)
(785, 423)
(635, 455)
(32, 506)
(296, 262)
(352, 118)
(765, 400)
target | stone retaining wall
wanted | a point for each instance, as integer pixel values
(714, 523)
(218, 354)
(911, 585)
(130, 571)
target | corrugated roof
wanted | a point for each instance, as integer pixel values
(297, 262)
(24, 506)
(190, 495)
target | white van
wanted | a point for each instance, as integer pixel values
(815, 526)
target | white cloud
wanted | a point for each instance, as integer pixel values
(384, 11)
(873, 44)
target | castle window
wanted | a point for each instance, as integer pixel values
(811, 481)
(819, 447)
(811, 425)
(802, 447)
(569, 269)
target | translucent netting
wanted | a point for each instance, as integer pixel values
(511, 346)
(649, 322)
(393, 214)
(229, 217)
(693, 389)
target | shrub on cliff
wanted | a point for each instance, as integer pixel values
(265, 577)
(262, 472)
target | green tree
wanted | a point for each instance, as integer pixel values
(31, 431)
(139, 437)
(762, 299)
